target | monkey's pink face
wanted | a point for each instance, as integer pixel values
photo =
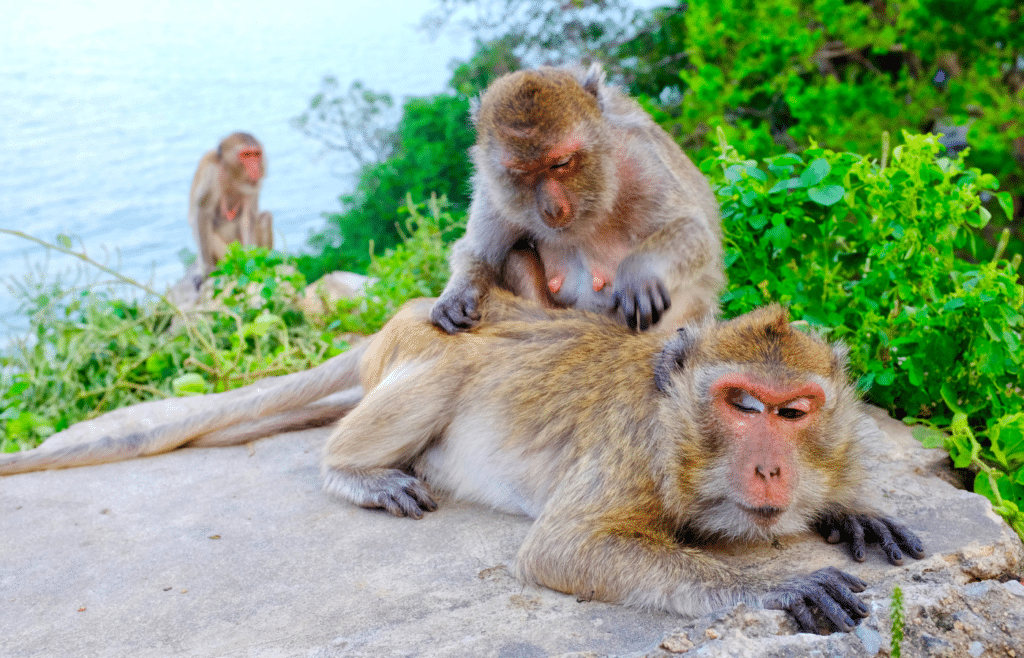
(252, 160)
(553, 178)
(766, 424)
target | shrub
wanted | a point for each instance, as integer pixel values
(775, 74)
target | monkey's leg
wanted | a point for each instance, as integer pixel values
(218, 247)
(523, 275)
(366, 459)
(265, 230)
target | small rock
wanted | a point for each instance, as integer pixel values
(1014, 587)
(678, 643)
(871, 639)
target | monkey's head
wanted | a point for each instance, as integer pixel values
(769, 440)
(543, 148)
(242, 155)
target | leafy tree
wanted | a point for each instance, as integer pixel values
(544, 32)
(430, 156)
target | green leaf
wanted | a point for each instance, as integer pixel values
(17, 389)
(929, 437)
(826, 196)
(188, 384)
(789, 184)
(949, 397)
(815, 173)
(1006, 203)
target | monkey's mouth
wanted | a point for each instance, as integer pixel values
(766, 515)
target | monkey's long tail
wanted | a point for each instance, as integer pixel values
(159, 426)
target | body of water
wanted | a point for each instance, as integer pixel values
(107, 106)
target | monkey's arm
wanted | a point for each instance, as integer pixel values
(626, 556)
(202, 205)
(368, 455)
(476, 261)
(683, 254)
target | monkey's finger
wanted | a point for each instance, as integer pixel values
(842, 594)
(858, 545)
(852, 582)
(821, 597)
(644, 311)
(791, 599)
(885, 539)
(626, 304)
(422, 497)
(455, 315)
(666, 300)
(907, 540)
(804, 618)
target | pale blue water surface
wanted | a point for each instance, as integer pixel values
(107, 105)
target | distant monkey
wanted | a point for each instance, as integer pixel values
(224, 201)
(622, 446)
(580, 200)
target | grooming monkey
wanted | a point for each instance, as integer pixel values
(223, 205)
(580, 200)
(621, 445)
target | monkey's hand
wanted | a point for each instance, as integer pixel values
(457, 310)
(860, 529)
(639, 292)
(829, 590)
(399, 493)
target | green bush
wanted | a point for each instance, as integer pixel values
(777, 74)
(871, 253)
(418, 267)
(89, 352)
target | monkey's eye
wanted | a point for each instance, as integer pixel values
(563, 163)
(789, 413)
(745, 402)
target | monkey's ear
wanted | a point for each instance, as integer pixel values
(474, 110)
(672, 358)
(593, 79)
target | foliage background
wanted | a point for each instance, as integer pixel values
(810, 117)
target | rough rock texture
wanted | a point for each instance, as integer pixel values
(237, 552)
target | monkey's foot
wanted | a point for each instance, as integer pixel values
(861, 529)
(389, 488)
(829, 590)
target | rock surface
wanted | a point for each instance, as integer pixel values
(237, 552)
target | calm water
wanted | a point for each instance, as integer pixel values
(106, 107)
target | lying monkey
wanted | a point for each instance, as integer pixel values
(619, 444)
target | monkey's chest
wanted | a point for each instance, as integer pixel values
(470, 464)
(583, 277)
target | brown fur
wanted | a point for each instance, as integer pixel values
(221, 182)
(627, 207)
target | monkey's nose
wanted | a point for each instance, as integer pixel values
(768, 472)
(555, 216)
